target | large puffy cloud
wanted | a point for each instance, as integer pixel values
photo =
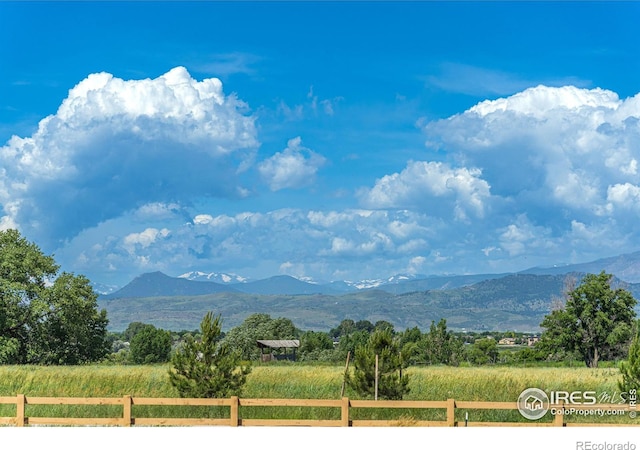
(565, 146)
(294, 167)
(144, 239)
(626, 196)
(563, 160)
(433, 187)
(116, 145)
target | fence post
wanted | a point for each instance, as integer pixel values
(126, 410)
(344, 378)
(376, 380)
(20, 405)
(558, 420)
(451, 412)
(234, 411)
(344, 415)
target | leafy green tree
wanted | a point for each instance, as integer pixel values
(364, 325)
(150, 345)
(258, 326)
(488, 347)
(132, 330)
(483, 351)
(45, 318)
(384, 325)
(208, 368)
(595, 322)
(630, 369)
(24, 270)
(349, 343)
(526, 355)
(9, 350)
(346, 327)
(316, 346)
(441, 346)
(392, 383)
(73, 331)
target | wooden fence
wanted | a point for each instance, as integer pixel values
(345, 405)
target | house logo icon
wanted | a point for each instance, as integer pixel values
(533, 403)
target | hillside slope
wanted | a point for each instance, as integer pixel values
(515, 302)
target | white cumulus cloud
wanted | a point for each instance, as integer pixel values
(432, 187)
(565, 145)
(625, 196)
(115, 145)
(295, 167)
(560, 161)
(145, 238)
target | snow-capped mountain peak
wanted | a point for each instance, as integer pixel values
(374, 283)
(307, 280)
(224, 278)
(364, 284)
(401, 277)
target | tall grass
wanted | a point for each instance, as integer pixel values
(296, 381)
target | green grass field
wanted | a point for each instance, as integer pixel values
(298, 381)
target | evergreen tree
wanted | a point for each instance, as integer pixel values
(410, 341)
(441, 346)
(208, 368)
(392, 383)
(630, 369)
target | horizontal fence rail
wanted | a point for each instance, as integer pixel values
(452, 410)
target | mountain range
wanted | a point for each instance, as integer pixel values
(516, 301)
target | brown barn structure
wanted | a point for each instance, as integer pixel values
(277, 349)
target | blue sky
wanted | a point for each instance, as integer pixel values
(330, 140)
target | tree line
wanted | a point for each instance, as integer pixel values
(143, 343)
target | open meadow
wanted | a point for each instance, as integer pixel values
(503, 384)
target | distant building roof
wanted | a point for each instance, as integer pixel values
(275, 343)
